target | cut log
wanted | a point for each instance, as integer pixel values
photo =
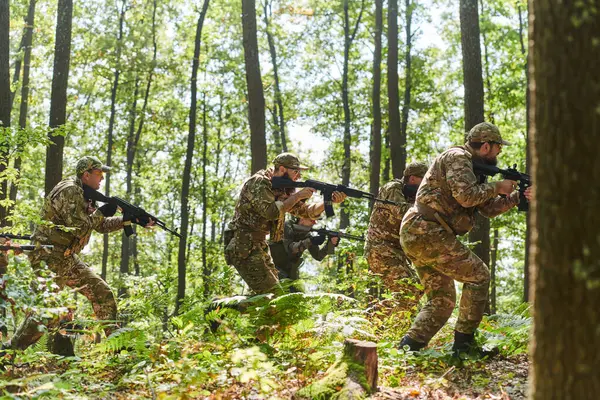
(354, 376)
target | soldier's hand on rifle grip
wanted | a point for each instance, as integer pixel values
(335, 240)
(305, 193)
(338, 197)
(150, 224)
(506, 186)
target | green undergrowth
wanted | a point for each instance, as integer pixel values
(277, 346)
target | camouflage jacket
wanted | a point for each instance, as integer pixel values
(384, 225)
(287, 254)
(451, 188)
(66, 207)
(258, 210)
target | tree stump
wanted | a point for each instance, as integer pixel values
(354, 376)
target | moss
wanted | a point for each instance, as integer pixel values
(343, 380)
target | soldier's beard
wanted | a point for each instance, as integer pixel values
(491, 161)
(287, 176)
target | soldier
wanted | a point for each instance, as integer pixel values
(382, 247)
(66, 206)
(287, 254)
(260, 211)
(447, 202)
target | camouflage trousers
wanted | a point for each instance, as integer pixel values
(392, 265)
(72, 272)
(254, 263)
(440, 259)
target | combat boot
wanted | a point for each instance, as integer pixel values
(411, 343)
(465, 347)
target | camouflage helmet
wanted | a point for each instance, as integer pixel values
(485, 132)
(288, 160)
(88, 163)
(417, 168)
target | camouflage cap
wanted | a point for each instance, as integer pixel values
(485, 132)
(88, 163)
(288, 160)
(417, 168)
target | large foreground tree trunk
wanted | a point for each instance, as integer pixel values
(565, 127)
(256, 98)
(4, 98)
(58, 97)
(473, 81)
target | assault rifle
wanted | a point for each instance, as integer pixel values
(130, 212)
(326, 190)
(341, 235)
(27, 247)
(524, 180)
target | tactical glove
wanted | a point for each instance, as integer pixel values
(108, 210)
(317, 240)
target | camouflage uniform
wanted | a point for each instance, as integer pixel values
(287, 254)
(66, 206)
(382, 245)
(258, 214)
(451, 190)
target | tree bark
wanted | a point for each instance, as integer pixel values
(407, 79)
(256, 99)
(397, 146)
(348, 39)
(111, 124)
(278, 109)
(24, 107)
(376, 100)
(564, 60)
(185, 185)
(526, 267)
(493, 267)
(58, 97)
(474, 112)
(5, 97)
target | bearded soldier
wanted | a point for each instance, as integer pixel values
(447, 202)
(65, 206)
(382, 247)
(260, 211)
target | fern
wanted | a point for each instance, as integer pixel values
(124, 339)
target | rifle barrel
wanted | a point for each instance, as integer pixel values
(11, 236)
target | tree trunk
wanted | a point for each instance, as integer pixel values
(111, 124)
(376, 100)
(474, 113)
(5, 96)
(58, 97)
(24, 107)
(256, 99)
(564, 63)
(354, 376)
(397, 146)
(407, 80)
(205, 269)
(278, 109)
(526, 267)
(348, 39)
(187, 169)
(126, 241)
(493, 267)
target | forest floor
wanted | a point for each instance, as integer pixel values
(249, 359)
